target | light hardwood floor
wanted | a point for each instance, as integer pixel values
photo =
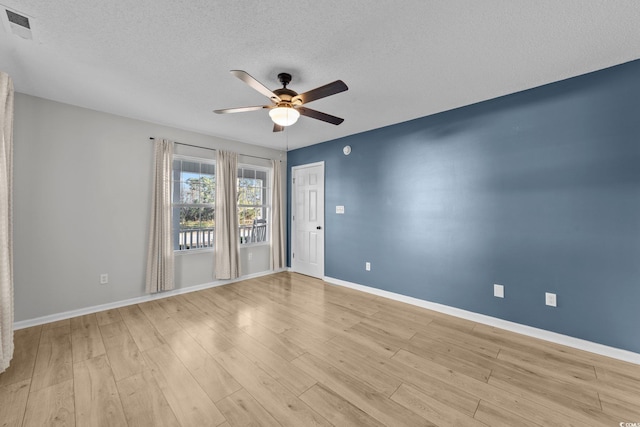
(289, 350)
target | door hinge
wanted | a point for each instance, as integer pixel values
(294, 180)
(293, 255)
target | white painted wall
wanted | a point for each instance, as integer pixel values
(82, 195)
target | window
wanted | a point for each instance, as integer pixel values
(253, 204)
(193, 202)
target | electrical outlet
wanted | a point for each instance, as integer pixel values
(367, 266)
(104, 279)
(550, 299)
(498, 291)
(250, 256)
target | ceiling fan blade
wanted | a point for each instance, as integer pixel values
(277, 128)
(241, 109)
(322, 92)
(320, 116)
(248, 79)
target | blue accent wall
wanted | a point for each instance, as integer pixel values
(538, 191)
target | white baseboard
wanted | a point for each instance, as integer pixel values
(580, 344)
(137, 300)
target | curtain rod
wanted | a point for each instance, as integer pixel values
(213, 149)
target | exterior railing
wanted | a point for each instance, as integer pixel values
(198, 238)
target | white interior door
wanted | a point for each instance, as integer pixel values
(307, 220)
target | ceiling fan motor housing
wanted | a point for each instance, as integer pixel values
(285, 79)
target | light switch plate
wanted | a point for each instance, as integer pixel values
(339, 209)
(498, 291)
(550, 299)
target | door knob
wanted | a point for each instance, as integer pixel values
(318, 228)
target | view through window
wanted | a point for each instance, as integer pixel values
(193, 203)
(253, 204)
(194, 196)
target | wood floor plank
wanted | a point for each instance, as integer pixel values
(363, 342)
(438, 387)
(97, 402)
(449, 356)
(277, 343)
(225, 301)
(458, 339)
(13, 401)
(241, 409)
(211, 340)
(615, 381)
(54, 361)
(402, 330)
(65, 323)
(26, 342)
(143, 402)
(431, 409)
(213, 379)
(280, 369)
(188, 316)
(550, 415)
(372, 334)
(542, 348)
(124, 355)
(551, 388)
(160, 319)
(207, 305)
(283, 405)
(86, 340)
(628, 408)
(337, 410)
(306, 338)
(142, 331)
(359, 394)
(189, 402)
(563, 367)
(108, 316)
(366, 372)
(579, 411)
(493, 416)
(420, 344)
(51, 406)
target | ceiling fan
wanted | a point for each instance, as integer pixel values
(286, 105)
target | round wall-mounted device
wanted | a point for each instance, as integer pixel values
(346, 150)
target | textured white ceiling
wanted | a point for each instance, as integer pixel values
(168, 61)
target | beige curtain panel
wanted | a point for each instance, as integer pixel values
(160, 250)
(277, 218)
(227, 246)
(6, 225)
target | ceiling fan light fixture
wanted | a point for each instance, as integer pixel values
(284, 116)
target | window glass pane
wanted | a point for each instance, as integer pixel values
(249, 173)
(190, 167)
(207, 190)
(208, 169)
(190, 191)
(207, 218)
(250, 198)
(252, 213)
(190, 218)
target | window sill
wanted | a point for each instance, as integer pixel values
(253, 245)
(192, 251)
